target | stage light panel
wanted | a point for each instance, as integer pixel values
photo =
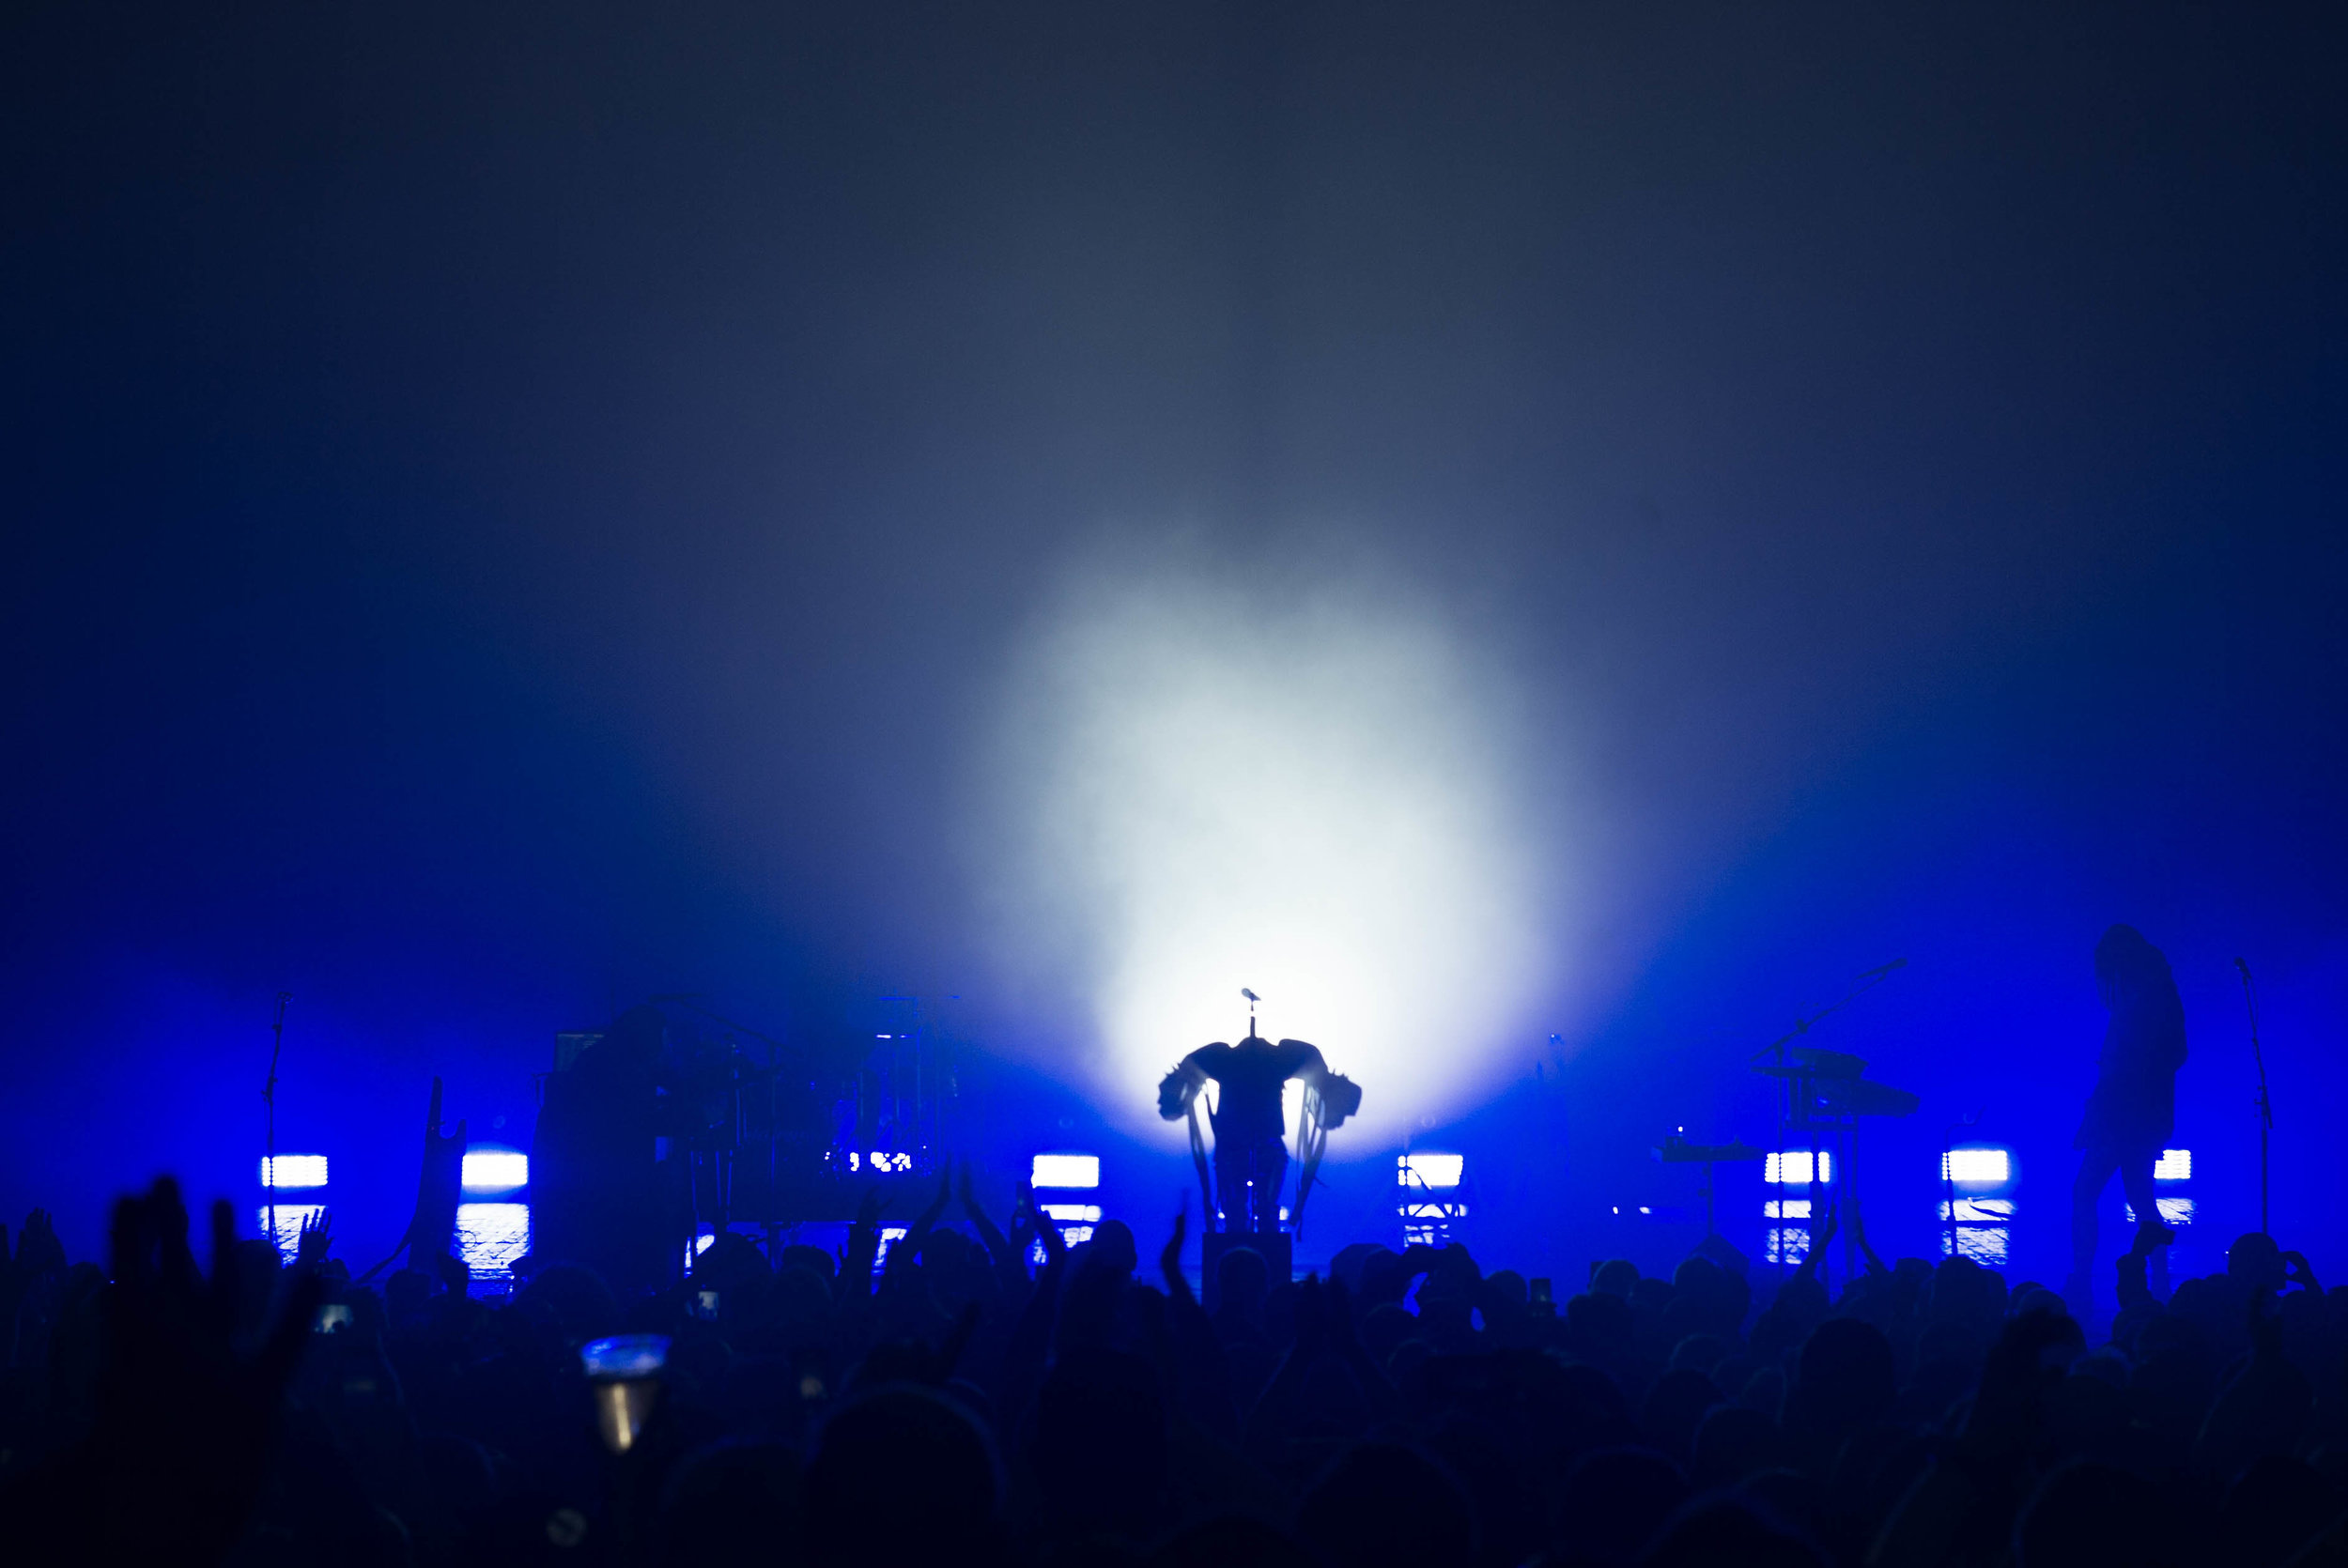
(1979, 1212)
(490, 1237)
(1439, 1210)
(1986, 1167)
(495, 1170)
(291, 1217)
(1792, 1168)
(1786, 1209)
(2174, 1211)
(1786, 1243)
(1437, 1171)
(1084, 1213)
(294, 1172)
(879, 1161)
(2173, 1165)
(1065, 1171)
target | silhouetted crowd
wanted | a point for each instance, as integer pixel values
(961, 1403)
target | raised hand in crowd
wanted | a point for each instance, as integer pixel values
(318, 1239)
(185, 1412)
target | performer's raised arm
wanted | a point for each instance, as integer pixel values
(1340, 1096)
(1178, 1088)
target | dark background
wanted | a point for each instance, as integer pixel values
(512, 512)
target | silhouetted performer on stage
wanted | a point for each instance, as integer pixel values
(2133, 1111)
(1251, 1156)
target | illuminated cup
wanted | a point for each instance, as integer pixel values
(624, 1374)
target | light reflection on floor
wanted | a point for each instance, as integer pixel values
(489, 1237)
(291, 1217)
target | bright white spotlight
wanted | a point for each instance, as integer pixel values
(1311, 788)
(1438, 1171)
(495, 1170)
(1074, 1213)
(1988, 1167)
(1065, 1171)
(295, 1171)
(2173, 1165)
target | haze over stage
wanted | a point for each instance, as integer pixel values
(1568, 521)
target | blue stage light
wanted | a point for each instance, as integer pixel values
(1438, 1171)
(1070, 1172)
(294, 1172)
(1978, 1167)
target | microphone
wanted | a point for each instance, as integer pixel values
(1881, 970)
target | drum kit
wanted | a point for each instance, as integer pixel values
(1824, 1097)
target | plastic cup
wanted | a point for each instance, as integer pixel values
(623, 1373)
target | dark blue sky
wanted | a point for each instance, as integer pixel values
(513, 513)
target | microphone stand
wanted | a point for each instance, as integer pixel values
(268, 1098)
(2265, 1105)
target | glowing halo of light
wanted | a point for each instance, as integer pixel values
(1202, 784)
